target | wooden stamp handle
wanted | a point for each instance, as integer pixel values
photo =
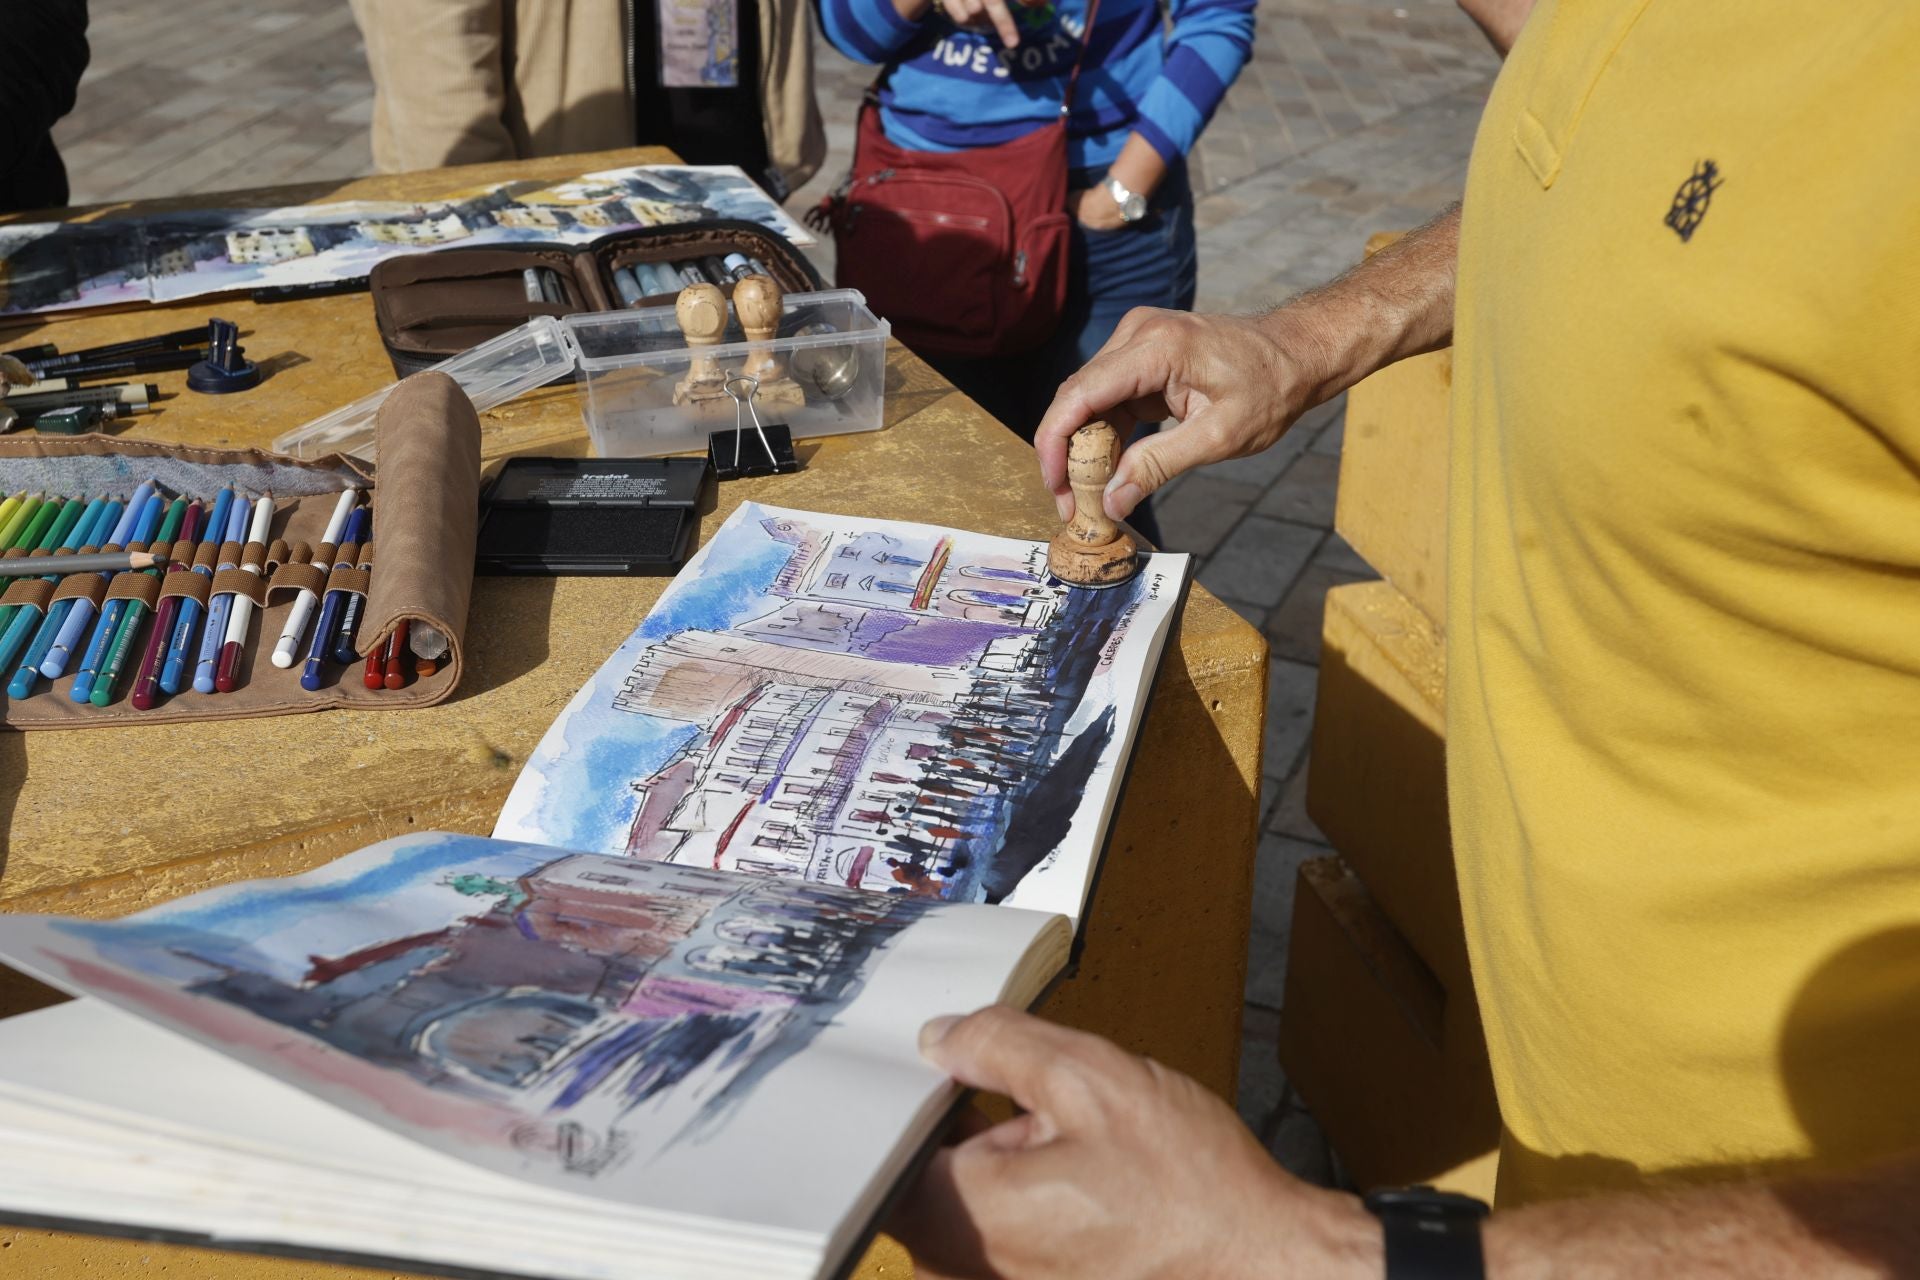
(1091, 458)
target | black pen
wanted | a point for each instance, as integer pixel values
(160, 342)
(146, 362)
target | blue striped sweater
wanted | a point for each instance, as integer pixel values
(951, 89)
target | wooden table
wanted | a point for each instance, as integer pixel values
(1167, 934)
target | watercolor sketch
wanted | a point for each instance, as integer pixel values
(887, 706)
(184, 254)
(568, 1011)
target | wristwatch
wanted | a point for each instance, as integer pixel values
(1431, 1235)
(1133, 206)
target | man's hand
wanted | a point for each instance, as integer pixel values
(1233, 385)
(1119, 1169)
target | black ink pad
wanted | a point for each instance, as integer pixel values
(578, 516)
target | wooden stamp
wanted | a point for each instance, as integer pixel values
(1092, 551)
(701, 313)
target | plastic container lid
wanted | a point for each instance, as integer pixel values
(518, 361)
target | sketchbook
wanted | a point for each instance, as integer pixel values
(847, 775)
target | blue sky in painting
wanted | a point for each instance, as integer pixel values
(588, 802)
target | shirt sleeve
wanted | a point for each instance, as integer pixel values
(870, 31)
(41, 58)
(1206, 49)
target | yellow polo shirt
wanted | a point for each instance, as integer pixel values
(1683, 717)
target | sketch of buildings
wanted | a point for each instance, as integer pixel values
(882, 723)
(585, 987)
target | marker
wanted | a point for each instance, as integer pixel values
(737, 265)
(343, 651)
(394, 675)
(110, 610)
(227, 677)
(690, 273)
(54, 664)
(330, 612)
(18, 621)
(628, 286)
(128, 631)
(134, 394)
(288, 649)
(530, 283)
(173, 669)
(146, 682)
(94, 525)
(220, 608)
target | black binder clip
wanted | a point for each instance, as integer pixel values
(765, 450)
(226, 367)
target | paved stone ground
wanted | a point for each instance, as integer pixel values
(1353, 116)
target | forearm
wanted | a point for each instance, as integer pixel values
(1500, 20)
(1396, 304)
(1138, 166)
(1861, 1225)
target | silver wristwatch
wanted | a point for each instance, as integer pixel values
(1133, 206)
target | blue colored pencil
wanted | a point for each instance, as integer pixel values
(220, 607)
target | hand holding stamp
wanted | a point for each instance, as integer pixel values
(1092, 551)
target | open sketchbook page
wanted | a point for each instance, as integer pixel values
(834, 700)
(666, 1037)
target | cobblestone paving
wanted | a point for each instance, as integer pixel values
(1353, 116)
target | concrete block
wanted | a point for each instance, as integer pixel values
(1378, 788)
(1390, 1062)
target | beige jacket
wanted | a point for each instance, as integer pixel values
(466, 81)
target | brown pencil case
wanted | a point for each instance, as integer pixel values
(430, 306)
(425, 501)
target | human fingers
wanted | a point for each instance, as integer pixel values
(1003, 22)
(1119, 378)
(1149, 464)
(936, 1224)
(1057, 1074)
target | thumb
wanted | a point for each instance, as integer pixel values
(1150, 464)
(1002, 1051)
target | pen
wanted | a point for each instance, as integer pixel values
(173, 669)
(92, 528)
(227, 678)
(146, 682)
(145, 362)
(288, 649)
(330, 611)
(108, 623)
(220, 608)
(54, 364)
(68, 640)
(128, 631)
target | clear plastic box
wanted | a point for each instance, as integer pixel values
(630, 364)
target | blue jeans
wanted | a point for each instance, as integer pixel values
(1152, 263)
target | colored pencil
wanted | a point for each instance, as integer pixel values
(220, 608)
(51, 524)
(226, 678)
(288, 649)
(146, 681)
(135, 612)
(28, 504)
(61, 652)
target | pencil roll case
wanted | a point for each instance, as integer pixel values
(430, 306)
(425, 504)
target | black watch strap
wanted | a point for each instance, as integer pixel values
(1430, 1235)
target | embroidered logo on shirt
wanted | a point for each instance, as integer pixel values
(1691, 200)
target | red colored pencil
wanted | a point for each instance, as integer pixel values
(146, 685)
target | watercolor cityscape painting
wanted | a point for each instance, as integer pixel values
(520, 1005)
(887, 706)
(186, 253)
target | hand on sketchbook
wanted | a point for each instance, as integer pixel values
(1119, 1170)
(1234, 384)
